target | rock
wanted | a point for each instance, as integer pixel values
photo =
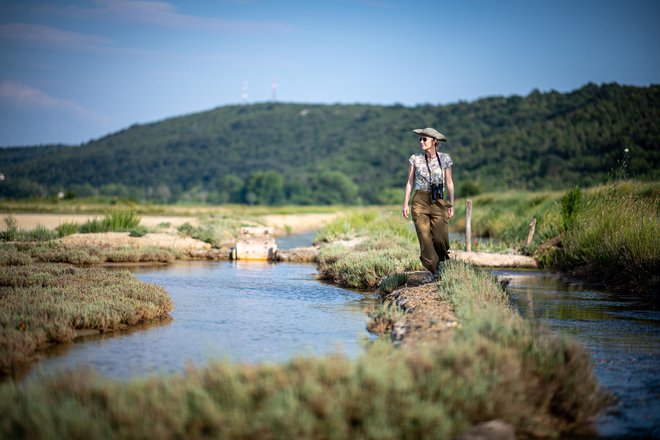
(492, 430)
(256, 244)
(297, 255)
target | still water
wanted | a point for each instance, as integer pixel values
(622, 334)
(239, 311)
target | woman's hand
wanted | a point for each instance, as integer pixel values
(450, 211)
(405, 211)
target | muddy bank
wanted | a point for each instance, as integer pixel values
(426, 318)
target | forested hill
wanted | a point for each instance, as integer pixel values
(298, 153)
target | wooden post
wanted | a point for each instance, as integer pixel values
(468, 225)
(530, 235)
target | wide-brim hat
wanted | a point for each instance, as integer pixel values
(432, 133)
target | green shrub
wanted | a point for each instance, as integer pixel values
(392, 282)
(139, 231)
(470, 188)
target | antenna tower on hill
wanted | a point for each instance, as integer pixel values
(273, 89)
(244, 95)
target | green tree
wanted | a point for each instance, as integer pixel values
(264, 188)
(334, 187)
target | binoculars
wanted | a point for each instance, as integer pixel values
(437, 191)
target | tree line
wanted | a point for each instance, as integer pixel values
(274, 153)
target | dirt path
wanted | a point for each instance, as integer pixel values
(426, 318)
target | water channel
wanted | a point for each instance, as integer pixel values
(265, 312)
(622, 334)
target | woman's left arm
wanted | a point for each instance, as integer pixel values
(449, 182)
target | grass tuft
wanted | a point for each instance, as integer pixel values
(117, 221)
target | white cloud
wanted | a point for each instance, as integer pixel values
(161, 14)
(51, 36)
(29, 98)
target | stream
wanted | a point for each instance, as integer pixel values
(226, 310)
(272, 312)
(621, 333)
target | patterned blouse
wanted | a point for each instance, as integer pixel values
(422, 172)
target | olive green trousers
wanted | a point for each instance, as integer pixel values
(432, 226)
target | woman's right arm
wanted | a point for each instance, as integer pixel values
(406, 195)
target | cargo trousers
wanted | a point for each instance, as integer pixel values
(432, 226)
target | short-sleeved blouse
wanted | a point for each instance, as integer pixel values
(422, 181)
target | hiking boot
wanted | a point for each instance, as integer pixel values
(429, 278)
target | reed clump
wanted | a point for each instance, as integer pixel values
(46, 303)
(116, 221)
(614, 234)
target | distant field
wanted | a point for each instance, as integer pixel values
(51, 221)
(282, 223)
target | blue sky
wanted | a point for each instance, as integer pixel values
(72, 71)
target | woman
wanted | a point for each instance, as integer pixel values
(430, 174)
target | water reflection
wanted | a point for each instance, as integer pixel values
(622, 334)
(242, 311)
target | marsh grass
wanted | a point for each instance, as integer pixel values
(609, 232)
(54, 252)
(496, 366)
(388, 246)
(615, 233)
(46, 303)
(130, 254)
